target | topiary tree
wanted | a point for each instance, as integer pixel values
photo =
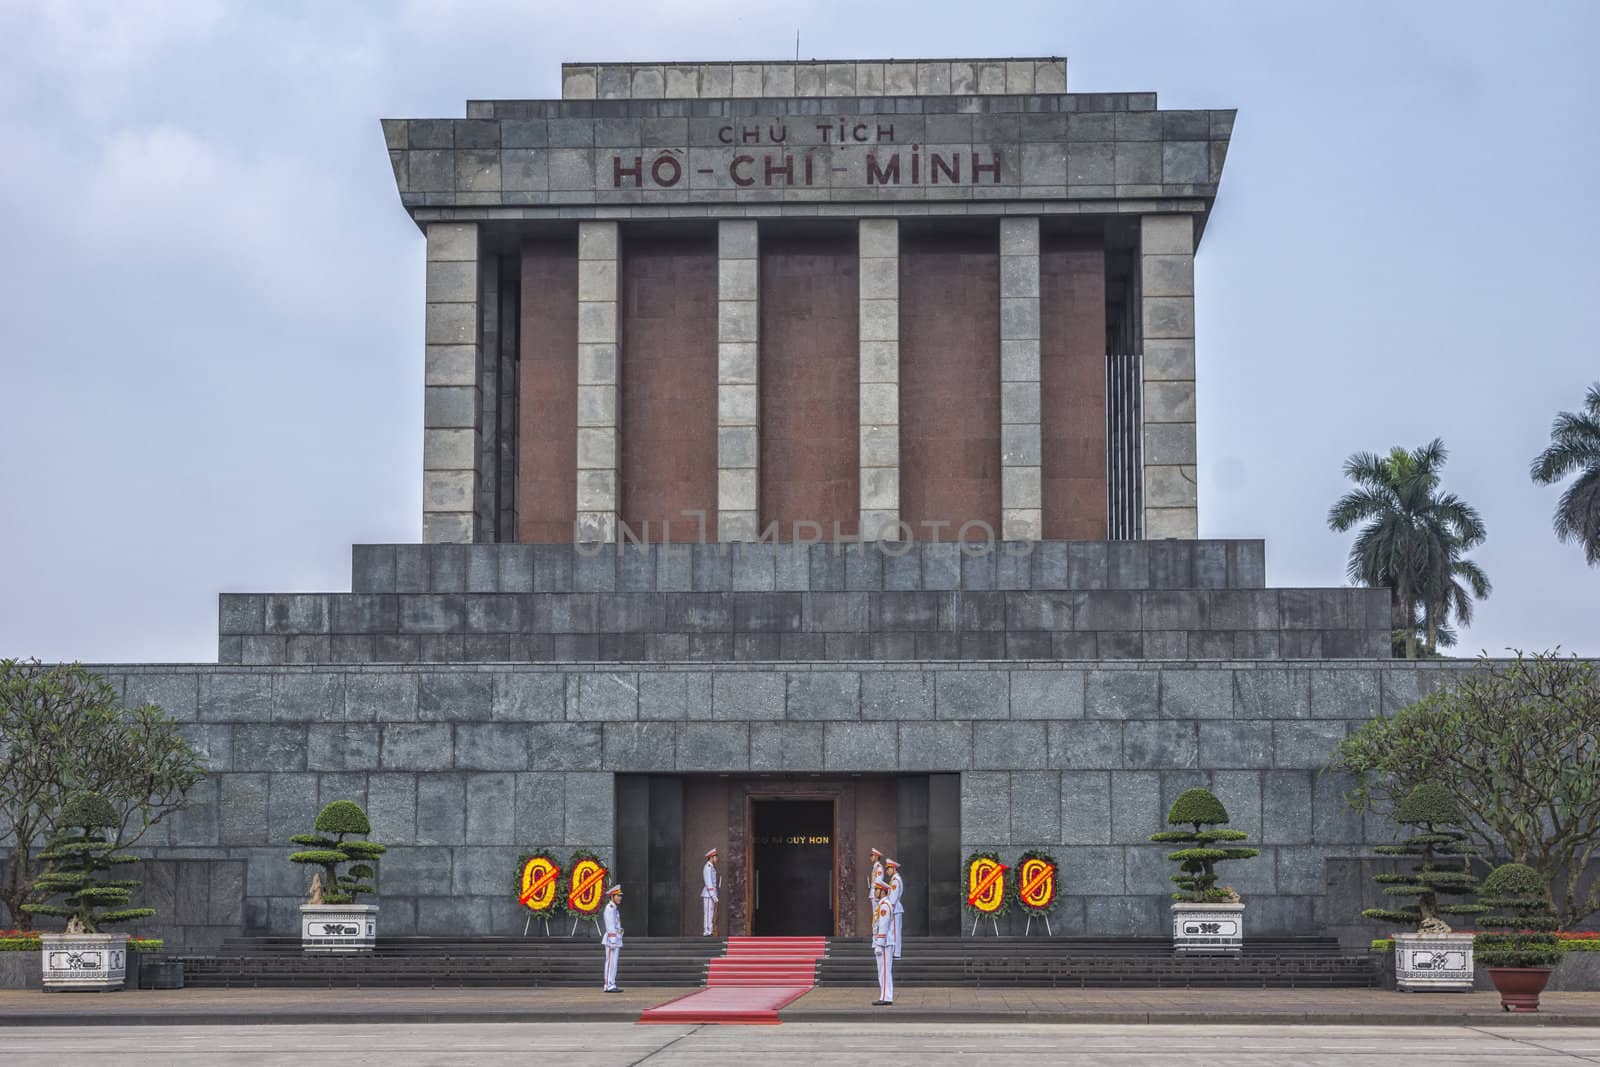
(340, 819)
(1431, 809)
(1196, 877)
(1518, 906)
(1518, 746)
(63, 730)
(78, 856)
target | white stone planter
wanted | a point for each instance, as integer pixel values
(1436, 962)
(1208, 929)
(338, 927)
(95, 962)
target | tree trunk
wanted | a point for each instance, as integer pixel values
(1409, 604)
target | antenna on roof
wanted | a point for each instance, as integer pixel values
(797, 44)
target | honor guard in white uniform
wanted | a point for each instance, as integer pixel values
(876, 876)
(897, 889)
(612, 938)
(883, 942)
(708, 893)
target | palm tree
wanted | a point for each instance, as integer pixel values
(1412, 539)
(1575, 446)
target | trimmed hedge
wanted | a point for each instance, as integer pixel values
(1197, 877)
(1433, 813)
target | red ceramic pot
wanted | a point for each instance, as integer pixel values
(1519, 987)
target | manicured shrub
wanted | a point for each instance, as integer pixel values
(1431, 810)
(1518, 899)
(77, 859)
(330, 847)
(1197, 877)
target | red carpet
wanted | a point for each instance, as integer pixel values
(756, 977)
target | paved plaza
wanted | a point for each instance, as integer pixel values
(819, 1008)
(623, 1045)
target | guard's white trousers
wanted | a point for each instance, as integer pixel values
(885, 972)
(708, 906)
(899, 923)
(611, 966)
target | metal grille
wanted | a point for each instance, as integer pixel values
(1125, 446)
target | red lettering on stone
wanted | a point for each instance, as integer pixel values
(619, 172)
(750, 135)
(787, 170)
(951, 168)
(725, 134)
(859, 131)
(889, 175)
(826, 131)
(978, 168)
(658, 169)
(778, 134)
(886, 133)
(733, 170)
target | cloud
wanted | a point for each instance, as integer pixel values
(97, 48)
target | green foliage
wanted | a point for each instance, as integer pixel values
(1518, 903)
(558, 906)
(1430, 809)
(31, 942)
(340, 818)
(65, 731)
(76, 860)
(1426, 804)
(343, 817)
(1575, 449)
(1517, 745)
(1197, 806)
(1197, 876)
(1005, 898)
(1412, 540)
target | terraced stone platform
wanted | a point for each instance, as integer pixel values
(1283, 963)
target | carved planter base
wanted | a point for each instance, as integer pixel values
(338, 927)
(94, 962)
(1433, 962)
(1208, 929)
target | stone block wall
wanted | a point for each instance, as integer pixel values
(760, 602)
(462, 767)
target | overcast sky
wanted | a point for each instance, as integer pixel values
(211, 300)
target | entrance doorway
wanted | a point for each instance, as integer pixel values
(792, 868)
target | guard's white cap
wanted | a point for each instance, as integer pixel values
(881, 884)
(710, 852)
(875, 852)
(614, 889)
(892, 863)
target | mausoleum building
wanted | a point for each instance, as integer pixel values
(808, 465)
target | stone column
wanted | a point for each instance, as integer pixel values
(599, 272)
(1021, 506)
(738, 380)
(1166, 271)
(879, 252)
(450, 399)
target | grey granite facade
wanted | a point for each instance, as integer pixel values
(462, 767)
(1168, 600)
